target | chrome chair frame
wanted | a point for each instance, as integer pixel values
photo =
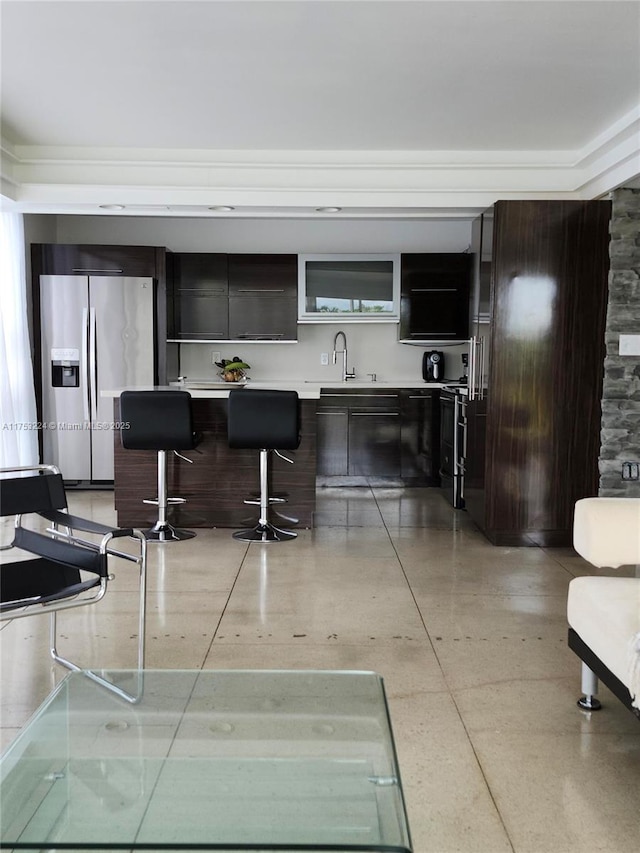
(62, 528)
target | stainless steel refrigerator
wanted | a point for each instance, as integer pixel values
(97, 333)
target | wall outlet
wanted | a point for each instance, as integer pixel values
(631, 470)
(324, 358)
(215, 356)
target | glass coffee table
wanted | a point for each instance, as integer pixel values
(207, 760)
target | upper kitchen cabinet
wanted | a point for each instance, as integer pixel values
(535, 377)
(349, 288)
(198, 304)
(263, 297)
(64, 259)
(434, 305)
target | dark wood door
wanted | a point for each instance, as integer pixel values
(333, 442)
(198, 303)
(475, 460)
(78, 259)
(200, 271)
(549, 279)
(201, 316)
(374, 443)
(263, 291)
(262, 318)
(266, 275)
(419, 430)
(435, 296)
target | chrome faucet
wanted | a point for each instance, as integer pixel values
(345, 373)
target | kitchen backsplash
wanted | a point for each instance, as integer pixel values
(371, 349)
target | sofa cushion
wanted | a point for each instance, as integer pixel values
(606, 531)
(605, 613)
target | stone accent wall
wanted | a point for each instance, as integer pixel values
(620, 434)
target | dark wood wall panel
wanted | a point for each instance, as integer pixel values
(550, 265)
(220, 479)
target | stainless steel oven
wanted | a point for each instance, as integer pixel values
(453, 424)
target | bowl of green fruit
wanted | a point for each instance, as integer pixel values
(233, 370)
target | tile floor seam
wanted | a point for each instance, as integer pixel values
(226, 604)
(449, 690)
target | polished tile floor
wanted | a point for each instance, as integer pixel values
(471, 640)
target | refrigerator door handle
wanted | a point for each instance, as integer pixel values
(93, 373)
(473, 358)
(85, 366)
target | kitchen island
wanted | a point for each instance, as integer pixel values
(218, 480)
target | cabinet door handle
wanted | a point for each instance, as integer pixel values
(437, 333)
(376, 414)
(86, 270)
(420, 397)
(472, 367)
(360, 396)
(260, 336)
(433, 290)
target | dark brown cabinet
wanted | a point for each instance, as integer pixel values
(332, 439)
(359, 434)
(77, 259)
(218, 297)
(263, 293)
(434, 296)
(199, 300)
(374, 439)
(419, 432)
(372, 433)
(534, 409)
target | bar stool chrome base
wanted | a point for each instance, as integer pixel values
(163, 532)
(264, 532)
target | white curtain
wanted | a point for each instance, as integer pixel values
(18, 433)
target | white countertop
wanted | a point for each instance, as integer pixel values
(306, 389)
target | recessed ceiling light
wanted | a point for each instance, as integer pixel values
(223, 208)
(328, 209)
(112, 206)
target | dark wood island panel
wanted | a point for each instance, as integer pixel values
(220, 479)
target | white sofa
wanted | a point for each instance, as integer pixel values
(604, 612)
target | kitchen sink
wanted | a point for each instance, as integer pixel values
(351, 383)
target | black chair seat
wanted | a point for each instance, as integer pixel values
(40, 581)
(157, 420)
(264, 419)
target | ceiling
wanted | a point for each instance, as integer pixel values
(406, 108)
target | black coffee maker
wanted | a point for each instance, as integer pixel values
(433, 366)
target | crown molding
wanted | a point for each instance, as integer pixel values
(65, 179)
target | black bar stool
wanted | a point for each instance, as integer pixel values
(264, 420)
(160, 421)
